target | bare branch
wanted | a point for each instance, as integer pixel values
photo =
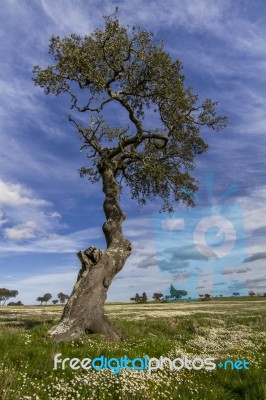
(88, 140)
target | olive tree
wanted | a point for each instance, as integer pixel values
(62, 297)
(124, 69)
(6, 294)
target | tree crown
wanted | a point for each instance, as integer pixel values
(125, 66)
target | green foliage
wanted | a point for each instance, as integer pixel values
(128, 68)
(15, 303)
(140, 299)
(41, 299)
(157, 296)
(45, 298)
(6, 294)
(176, 294)
(137, 298)
(144, 298)
(62, 297)
(251, 293)
(181, 293)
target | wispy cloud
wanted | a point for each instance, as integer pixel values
(47, 242)
(16, 195)
(32, 221)
(254, 257)
(237, 271)
(21, 232)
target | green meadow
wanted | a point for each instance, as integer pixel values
(233, 329)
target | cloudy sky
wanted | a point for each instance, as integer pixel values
(48, 213)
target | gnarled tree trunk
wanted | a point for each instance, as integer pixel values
(84, 311)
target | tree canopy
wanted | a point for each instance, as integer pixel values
(45, 298)
(6, 294)
(62, 297)
(177, 294)
(154, 153)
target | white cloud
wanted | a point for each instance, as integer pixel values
(26, 216)
(17, 195)
(44, 242)
(21, 232)
(55, 215)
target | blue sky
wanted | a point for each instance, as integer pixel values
(48, 213)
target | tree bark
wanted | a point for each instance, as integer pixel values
(84, 311)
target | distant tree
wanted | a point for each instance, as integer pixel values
(144, 297)
(126, 69)
(236, 294)
(181, 293)
(13, 303)
(54, 301)
(6, 294)
(137, 298)
(221, 295)
(157, 296)
(264, 294)
(207, 296)
(173, 292)
(251, 293)
(62, 297)
(177, 294)
(41, 299)
(47, 297)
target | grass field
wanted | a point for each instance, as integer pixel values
(233, 329)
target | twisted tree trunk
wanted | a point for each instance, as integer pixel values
(84, 311)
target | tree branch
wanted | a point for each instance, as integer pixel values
(88, 141)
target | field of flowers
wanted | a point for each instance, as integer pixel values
(224, 330)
